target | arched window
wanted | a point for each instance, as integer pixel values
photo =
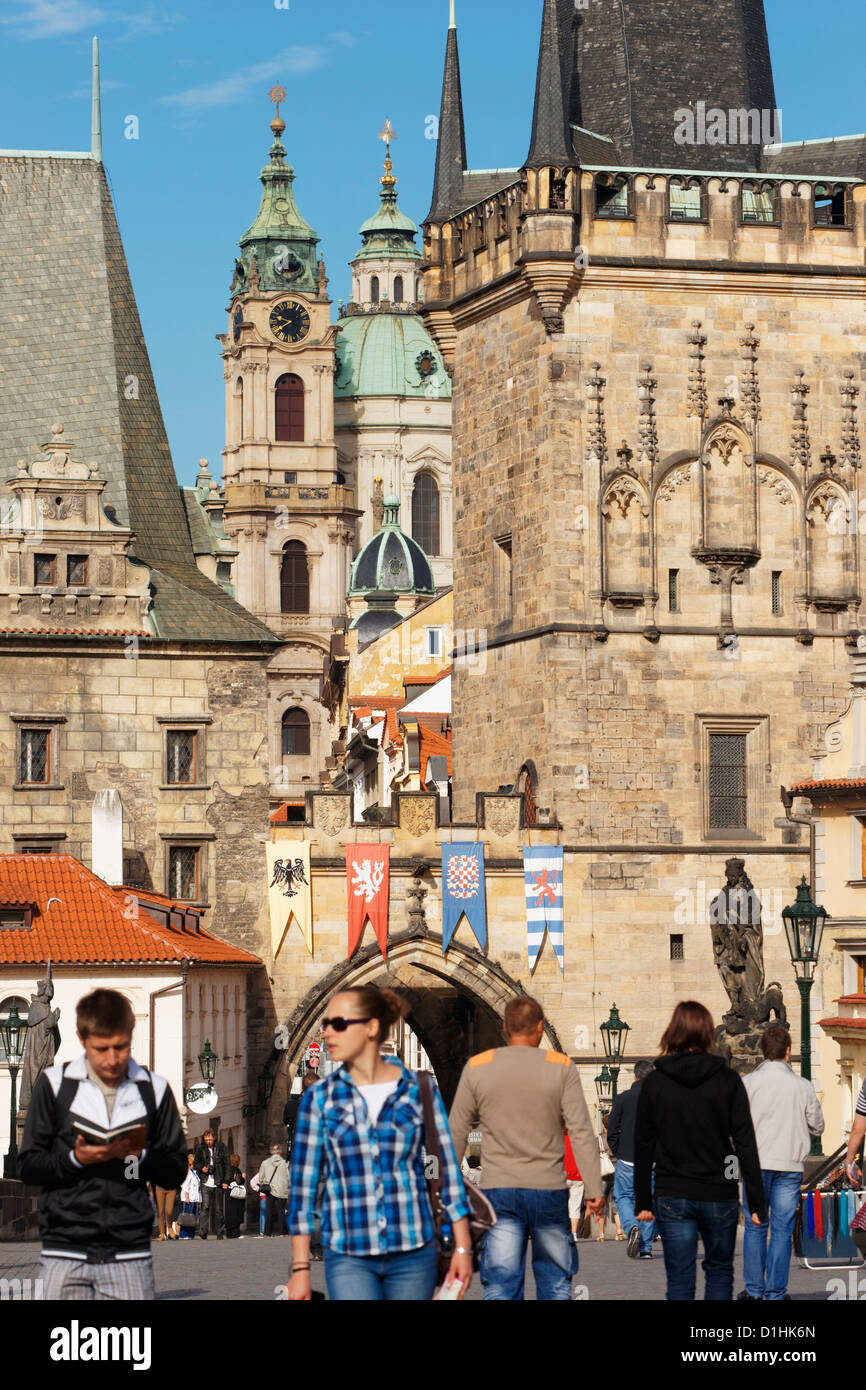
(296, 733)
(398, 289)
(374, 289)
(289, 409)
(239, 406)
(294, 579)
(425, 513)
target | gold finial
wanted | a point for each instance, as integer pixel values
(388, 133)
(278, 125)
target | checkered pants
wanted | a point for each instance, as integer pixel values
(115, 1281)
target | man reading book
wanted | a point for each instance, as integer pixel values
(98, 1130)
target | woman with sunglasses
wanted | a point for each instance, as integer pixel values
(361, 1130)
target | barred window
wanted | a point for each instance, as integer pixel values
(677, 949)
(183, 871)
(425, 513)
(181, 755)
(777, 592)
(727, 782)
(673, 591)
(34, 761)
(44, 569)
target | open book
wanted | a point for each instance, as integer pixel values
(92, 1132)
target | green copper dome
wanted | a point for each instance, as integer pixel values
(283, 243)
(388, 354)
(391, 562)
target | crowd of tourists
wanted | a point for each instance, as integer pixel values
(382, 1184)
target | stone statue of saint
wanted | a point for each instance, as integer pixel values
(738, 939)
(377, 503)
(43, 1038)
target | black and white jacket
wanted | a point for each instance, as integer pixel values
(99, 1211)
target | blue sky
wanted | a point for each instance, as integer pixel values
(197, 78)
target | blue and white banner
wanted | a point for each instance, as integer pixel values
(542, 875)
(463, 890)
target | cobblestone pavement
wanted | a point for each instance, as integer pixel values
(251, 1269)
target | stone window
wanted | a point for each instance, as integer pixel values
(374, 289)
(290, 477)
(44, 570)
(502, 579)
(673, 591)
(181, 756)
(677, 947)
(289, 409)
(685, 200)
(425, 513)
(76, 569)
(758, 202)
(296, 733)
(239, 405)
(434, 643)
(612, 196)
(829, 205)
(733, 764)
(398, 289)
(294, 579)
(184, 871)
(776, 592)
(34, 761)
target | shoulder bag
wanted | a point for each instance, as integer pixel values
(482, 1217)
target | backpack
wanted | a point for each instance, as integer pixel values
(69, 1085)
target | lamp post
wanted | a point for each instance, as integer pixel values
(13, 1032)
(207, 1065)
(804, 926)
(613, 1034)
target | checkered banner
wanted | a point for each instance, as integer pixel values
(463, 890)
(367, 892)
(542, 875)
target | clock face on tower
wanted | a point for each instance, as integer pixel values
(289, 321)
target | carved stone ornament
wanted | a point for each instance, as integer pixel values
(827, 503)
(330, 813)
(502, 815)
(724, 446)
(103, 575)
(61, 508)
(769, 477)
(59, 463)
(621, 494)
(678, 477)
(418, 815)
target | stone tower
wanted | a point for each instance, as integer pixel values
(287, 506)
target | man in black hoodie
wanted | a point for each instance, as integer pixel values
(695, 1127)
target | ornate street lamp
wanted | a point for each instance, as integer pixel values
(605, 1085)
(804, 927)
(613, 1034)
(13, 1034)
(207, 1065)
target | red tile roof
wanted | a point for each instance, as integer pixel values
(846, 1022)
(434, 745)
(828, 784)
(371, 702)
(79, 920)
(281, 815)
(75, 632)
(428, 680)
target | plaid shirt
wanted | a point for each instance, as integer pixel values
(375, 1199)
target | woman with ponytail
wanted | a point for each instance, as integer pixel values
(361, 1130)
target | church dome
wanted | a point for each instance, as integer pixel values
(391, 562)
(388, 354)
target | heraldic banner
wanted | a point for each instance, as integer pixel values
(463, 890)
(542, 875)
(289, 890)
(367, 888)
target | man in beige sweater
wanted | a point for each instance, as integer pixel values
(524, 1100)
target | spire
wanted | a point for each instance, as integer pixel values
(451, 146)
(96, 111)
(281, 241)
(389, 232)
(551, 130)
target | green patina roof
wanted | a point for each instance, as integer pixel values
(391, 562)
(379, 355)
(283, 243)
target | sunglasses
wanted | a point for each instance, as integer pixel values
(340, 1025)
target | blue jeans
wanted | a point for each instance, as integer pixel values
(766, 1270)
(680, 1220)
(405, 1275)
(623, 1195)
(523, 1214)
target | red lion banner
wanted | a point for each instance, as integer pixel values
(367, 891)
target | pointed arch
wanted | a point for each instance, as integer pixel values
(625, 539)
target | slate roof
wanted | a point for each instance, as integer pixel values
(843, 158)
(72, 349)
(80, 920)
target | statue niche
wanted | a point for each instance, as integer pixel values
(625, 531)
(728, 480)
(738, 951)
(827, 530)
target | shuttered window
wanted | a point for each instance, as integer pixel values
(294, 579)
(289, 409)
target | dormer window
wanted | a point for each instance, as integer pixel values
(76, 569)
(685, 200)
(612, 196)
(16, 919)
